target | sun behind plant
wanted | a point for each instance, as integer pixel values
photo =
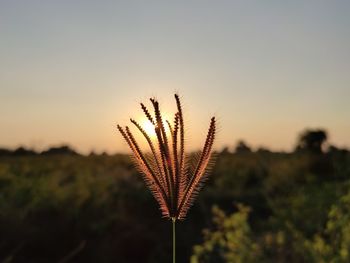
(172, 177)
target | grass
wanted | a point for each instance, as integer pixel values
(173, 180)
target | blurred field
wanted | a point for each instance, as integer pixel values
(268, 207)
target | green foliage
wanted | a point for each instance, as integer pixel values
(230, 241)
(53, 205)
(333, 243)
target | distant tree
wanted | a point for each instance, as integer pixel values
(242, 147)
(92, 153)
(21, 151)
(263, 150)
(5, 152)
(312, 140)
(335, 150)
(62, 150)
(225, 150)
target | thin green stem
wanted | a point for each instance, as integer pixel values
(173, 219)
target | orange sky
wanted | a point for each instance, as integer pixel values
(70, 71)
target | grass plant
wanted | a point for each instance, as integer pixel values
(172, 176)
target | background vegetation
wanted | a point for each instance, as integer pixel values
(258, 206)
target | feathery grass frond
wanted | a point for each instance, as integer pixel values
(148, 115)
(172, 179)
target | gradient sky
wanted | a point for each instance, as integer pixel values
(70, 70)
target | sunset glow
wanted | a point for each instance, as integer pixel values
(269, 70)
(150, 128)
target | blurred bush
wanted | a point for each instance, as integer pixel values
(230, 241)
(73, 208)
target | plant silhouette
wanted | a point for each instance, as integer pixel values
(172, 177)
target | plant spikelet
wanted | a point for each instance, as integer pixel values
(172, 179)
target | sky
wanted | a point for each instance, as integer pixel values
(71, 70)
